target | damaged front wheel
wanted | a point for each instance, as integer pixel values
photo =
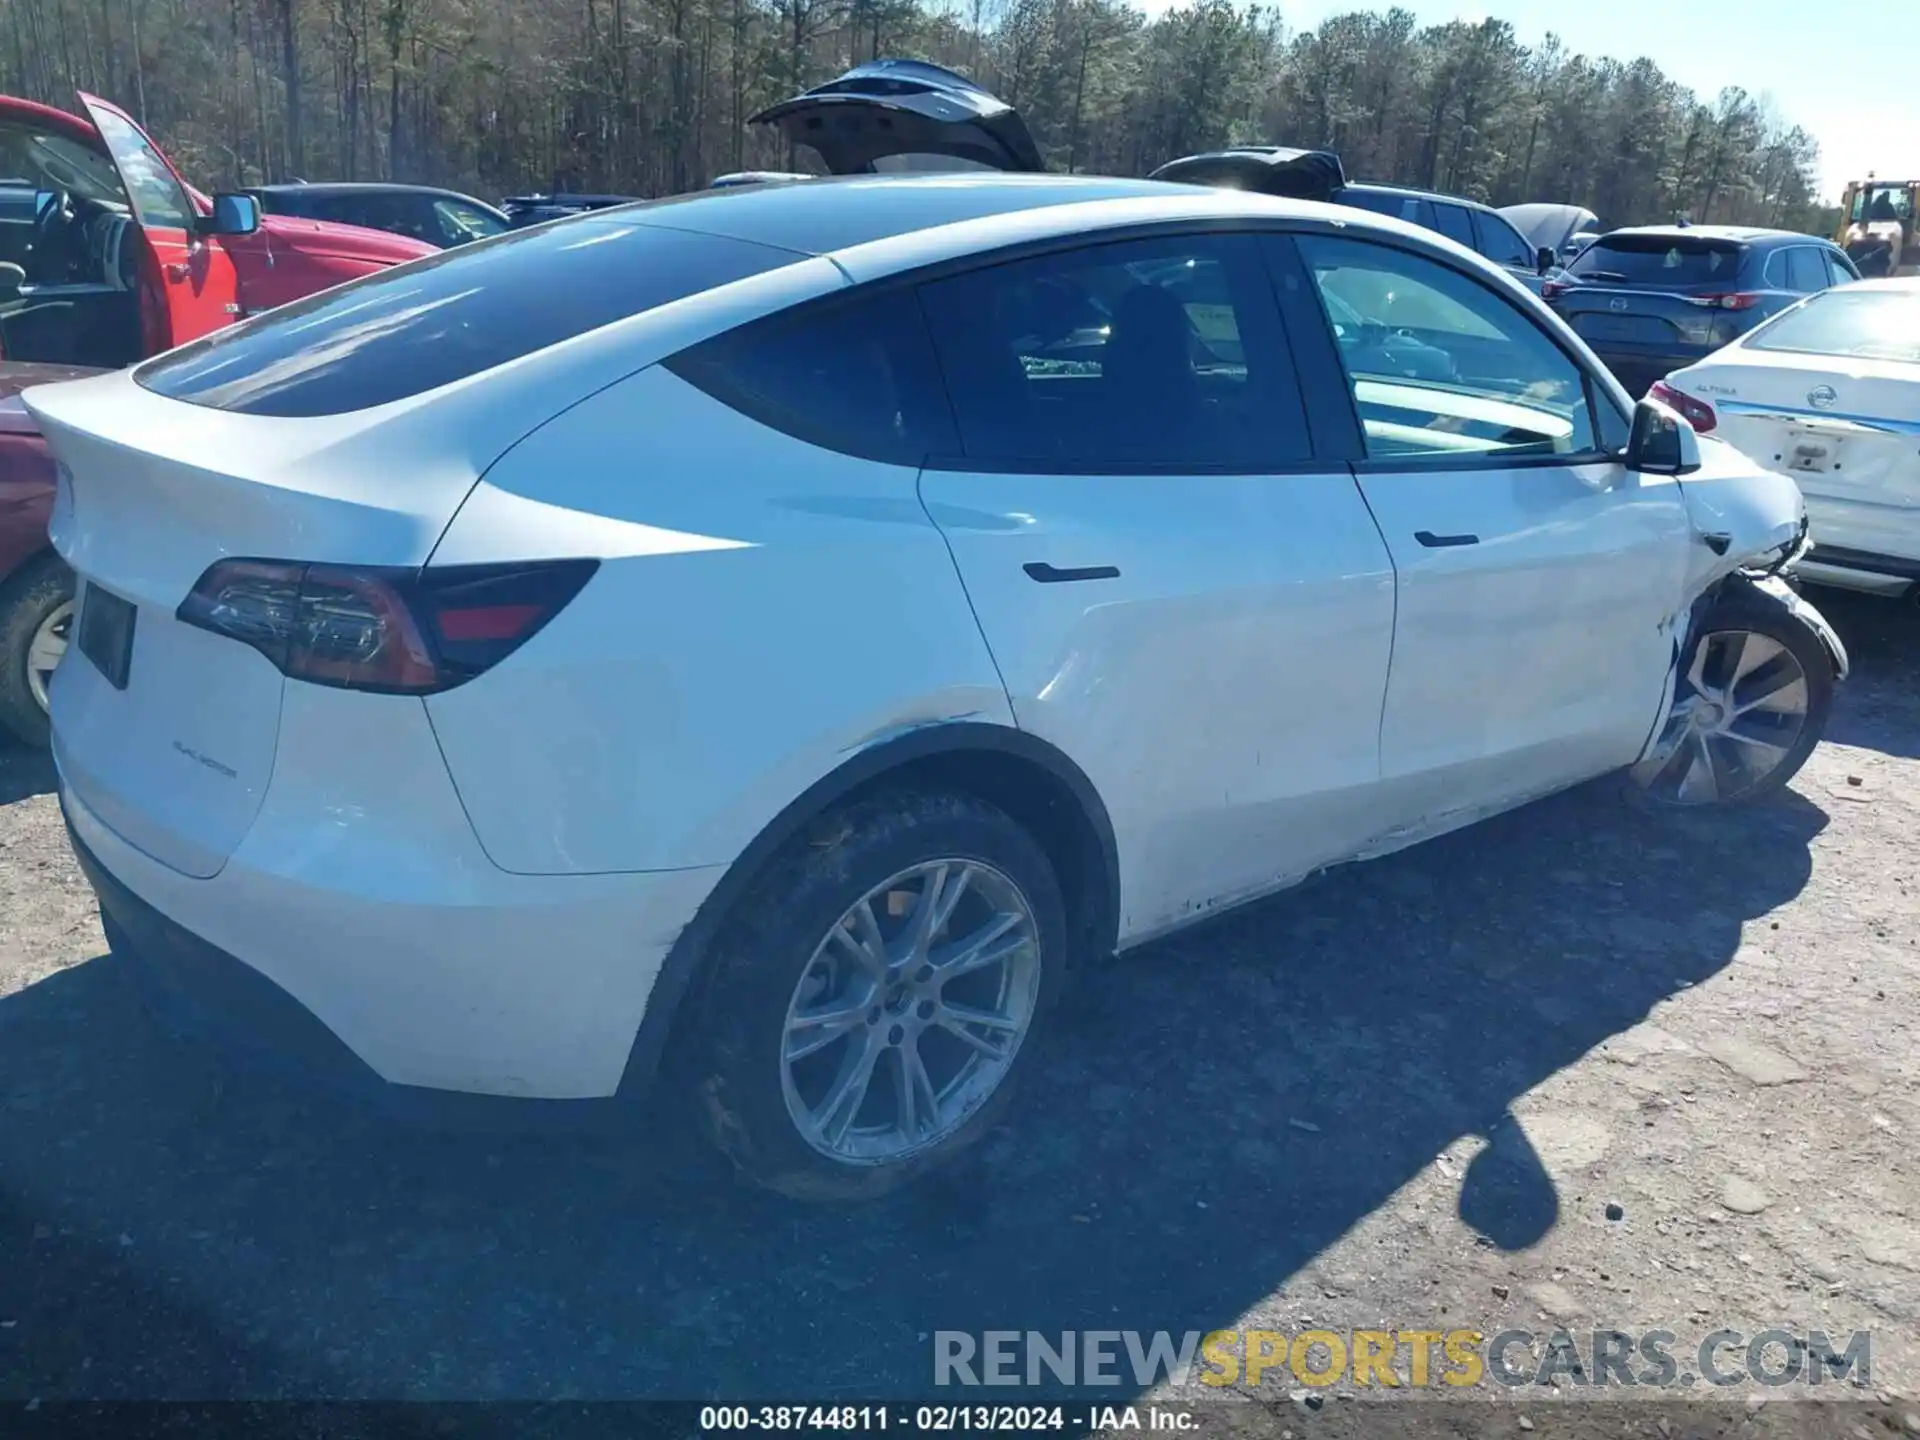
(1751, 702)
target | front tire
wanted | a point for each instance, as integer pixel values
(1752, 700)
(877, 994)
(36, 612)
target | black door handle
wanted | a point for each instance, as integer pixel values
(1440, 542)
(1048, 575)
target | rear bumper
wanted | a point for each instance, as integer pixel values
(1859, 570)
(417, 991)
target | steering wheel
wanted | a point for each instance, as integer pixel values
(49, 229)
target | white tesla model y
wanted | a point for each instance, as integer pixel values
(802, 621)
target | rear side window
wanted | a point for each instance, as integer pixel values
(1452, 222)
(1659, 260)
(1387, 202)
(1862, 324)
(404, 331)
(1839, 271)
(1806, 270)
(853, 375)
(1500, 242)
(1162, 354)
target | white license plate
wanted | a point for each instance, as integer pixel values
(1812, 453)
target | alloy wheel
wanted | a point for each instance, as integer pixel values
(49, 643)
(1740, 710)
(910, 1012)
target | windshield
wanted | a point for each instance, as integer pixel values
(1658, 260)
(1855, 324)
(1882, 203)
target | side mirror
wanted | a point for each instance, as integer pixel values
(12, 277)
(1544, 259)
(233, 214)
(1661, 443)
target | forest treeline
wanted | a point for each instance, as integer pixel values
(651, 97)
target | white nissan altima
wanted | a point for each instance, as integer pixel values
(799, 622)
(1829, 392)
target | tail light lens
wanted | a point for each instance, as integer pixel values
(388, 630)
(1697, 413)
(1553, 289)
(1732, 300)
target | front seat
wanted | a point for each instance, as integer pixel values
(1146, 370)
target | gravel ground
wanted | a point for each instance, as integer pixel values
(1580, 1066)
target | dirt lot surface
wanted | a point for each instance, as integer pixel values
(1581, 1066)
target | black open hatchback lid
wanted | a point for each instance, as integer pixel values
(904, 109)
(1267, 169)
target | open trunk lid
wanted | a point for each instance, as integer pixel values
(905, 115)
(1265, 169)
(166, 731)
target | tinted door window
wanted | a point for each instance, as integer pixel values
(1409, 208)
(854, 376)
(1488, 380)
(399, 332)
(1500, 242)
(1163, 353)
(1775, 275)
(1806, 270)
(1839, 270)
(1452, 222)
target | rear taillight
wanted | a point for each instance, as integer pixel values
(1730, 300)
(1553, 289)
(390, 630)
(1697, 413)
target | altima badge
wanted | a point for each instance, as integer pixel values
(1822, 397)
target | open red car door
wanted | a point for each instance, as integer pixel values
(190, 286)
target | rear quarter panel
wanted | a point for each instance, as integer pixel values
(26, 490)
(765, 609)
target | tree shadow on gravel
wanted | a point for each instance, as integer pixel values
(1210, 1113)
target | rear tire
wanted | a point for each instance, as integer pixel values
(797, 1011)
(35, 594)
(1754, 695)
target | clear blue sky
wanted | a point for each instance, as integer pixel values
(1848, 71)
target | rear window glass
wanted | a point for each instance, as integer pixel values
(857, 376)
(1659, 260)
(1857, 324)
(407, 330)
(1384, 202)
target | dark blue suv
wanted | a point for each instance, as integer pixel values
(1655, 298)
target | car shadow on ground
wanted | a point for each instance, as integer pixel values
(24, 772)
(1879, 707)
(1209, 1115)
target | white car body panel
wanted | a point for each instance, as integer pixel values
(477, 891)
(1222, 691)
(361, 891)
(1535, 657)
(832, 610)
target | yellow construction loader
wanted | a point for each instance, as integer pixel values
(1877, 226)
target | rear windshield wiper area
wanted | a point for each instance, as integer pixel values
(1602, 275)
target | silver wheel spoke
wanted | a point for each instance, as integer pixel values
(811, 1031)
(849, 1093)
(940, 893)
(918, 1107)
(1696, 781)
(858, 934)
(45, 650)
(991, 1046)
(1755, 652)
(989, 945)
(952, 1014)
